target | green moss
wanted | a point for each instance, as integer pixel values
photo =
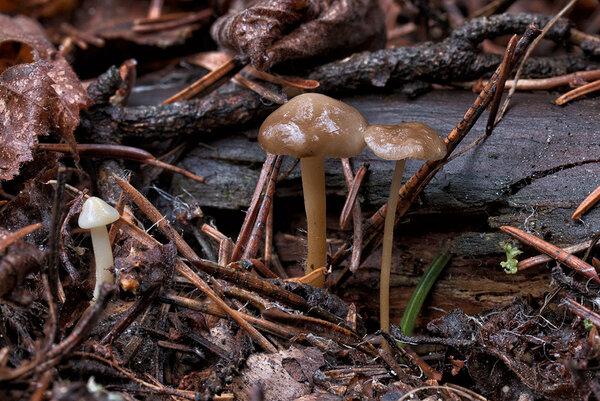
(510, 265)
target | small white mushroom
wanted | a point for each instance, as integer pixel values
(96, 215)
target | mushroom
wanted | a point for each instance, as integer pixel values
(310, 127)
(96, 215)
(412, 140)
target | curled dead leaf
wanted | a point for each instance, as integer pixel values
(270, 31)
(39, 92)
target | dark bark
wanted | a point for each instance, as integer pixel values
(541, 159)
(455, 59)
(537, 166)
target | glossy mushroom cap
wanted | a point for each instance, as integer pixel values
(95, 212)
(313, 125)
(411, 140)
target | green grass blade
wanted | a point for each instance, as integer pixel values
(418, 297)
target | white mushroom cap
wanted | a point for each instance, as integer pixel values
(96, 212)
(412, 140)
(313, 125)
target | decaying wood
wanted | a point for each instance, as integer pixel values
(542, 161)
(447, 61)
(534, 170)
(455, 59)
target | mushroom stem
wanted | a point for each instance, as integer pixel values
(386, 255)
(313, 186)
(103, 257)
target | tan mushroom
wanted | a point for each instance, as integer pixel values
(411, 140)
(310, 127)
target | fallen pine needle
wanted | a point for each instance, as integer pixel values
(587, 203)
(553, 251)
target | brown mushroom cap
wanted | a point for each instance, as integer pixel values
(411, 140)
(313, 125)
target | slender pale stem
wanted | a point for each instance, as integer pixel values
(386, 255)
(313, 186)
(103, 256)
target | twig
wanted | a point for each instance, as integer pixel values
(166, 22)
(261, 90)
(491, 123)
(455, 389)
(556, 253)
(546, 29)
(539, 259)
(593, 243)
(413, 187)
(357, 235)
(77, 336)
(587, 203)
(85, 324)
(247, 296)
(210, 60)
(268, 251)
(251, 282)
(131, 314)
(82, 38)
(578, 92)
(351, 199)
(415, 362)
(265, 325)
(120, 207)
(504, 71)
(386, 355)
(248, 223)
(128, 73)
(116, 366)
(53, 247)
(259, 225)
(17, 235)
(213, 233)
(225, 250)
(259, 267)
(75, 208)
(93, 150)
(321, 328)
(154, 215)
(51, 327)
(42, 386)
(294, 82)
(582, 311)
(210, 80)
(573, 79)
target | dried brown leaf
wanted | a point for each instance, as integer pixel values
(115, 20)
(39, 92)
(272, 31)
(38, 8)
(285, 375)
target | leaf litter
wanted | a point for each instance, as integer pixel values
(159, 338)
(39, 93)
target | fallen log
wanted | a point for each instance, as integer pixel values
(534, 170)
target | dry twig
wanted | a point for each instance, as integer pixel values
(154, 215)
(556, 253)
